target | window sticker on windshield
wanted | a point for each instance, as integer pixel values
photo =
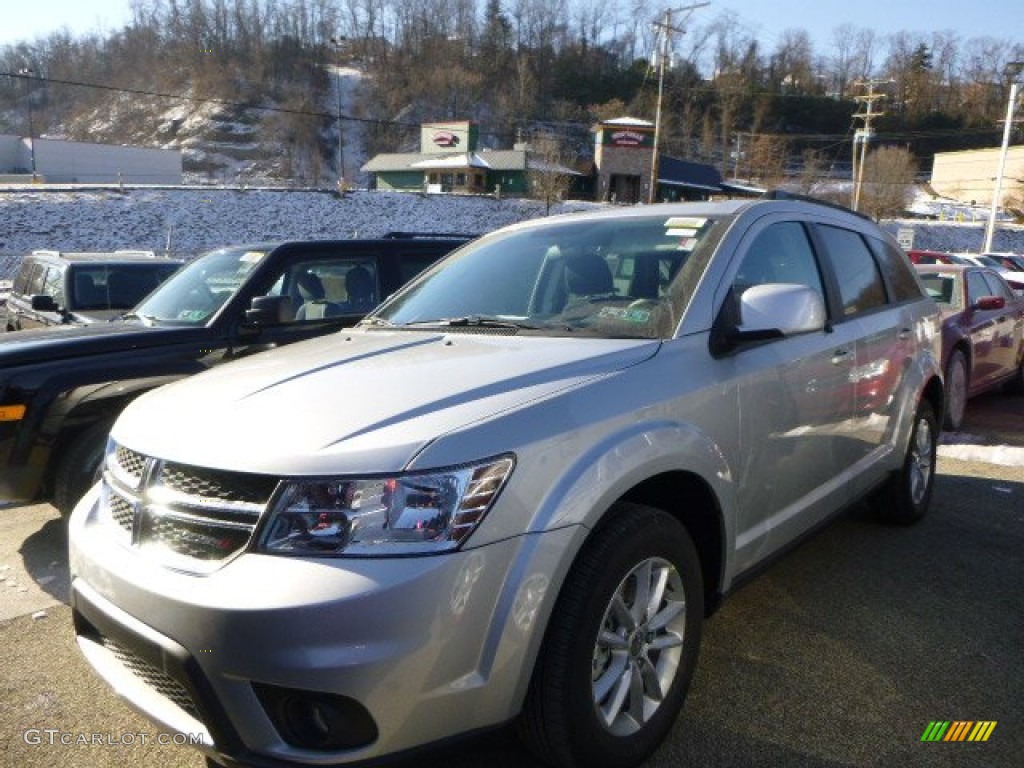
(678, 232)
(252, 257)
(685, 222)
(626, 314)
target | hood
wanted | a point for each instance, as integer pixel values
(365, 401)
(64, 342)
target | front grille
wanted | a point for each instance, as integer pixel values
(214, 484)
(154, 677)
(192, 518)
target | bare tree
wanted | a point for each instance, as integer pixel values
(547, 170)
(888, 181)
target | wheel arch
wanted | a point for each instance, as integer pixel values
(689, 499)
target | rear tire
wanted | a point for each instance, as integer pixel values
(906, 495)
(80, 466)
(621, 645)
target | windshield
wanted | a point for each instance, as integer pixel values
(193, 294)
(624, 277)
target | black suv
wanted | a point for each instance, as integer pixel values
(54, 288)
(60, 390)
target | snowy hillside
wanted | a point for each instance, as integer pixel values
(194, 220)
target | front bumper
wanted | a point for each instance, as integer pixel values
(430, 646)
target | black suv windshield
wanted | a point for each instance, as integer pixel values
(193, 294)
(615, 278)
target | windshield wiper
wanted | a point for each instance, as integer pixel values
(377, 321)
(478, 321)
(146, 319)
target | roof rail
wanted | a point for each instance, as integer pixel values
(782, 194)
(399, 235)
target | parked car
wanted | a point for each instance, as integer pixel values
(1007, 266)
(982, 333)
(61, 390)
(934, 257)
(55, 288)
(1014, 279)
(513, 492)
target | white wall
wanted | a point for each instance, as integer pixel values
(75, 162)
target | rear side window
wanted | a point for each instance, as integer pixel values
(860, 283)
(897, 270)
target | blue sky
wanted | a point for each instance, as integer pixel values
(765, 19)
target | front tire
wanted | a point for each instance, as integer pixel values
(956, 390)
(79, 467)
(905, 497)
(621, 646)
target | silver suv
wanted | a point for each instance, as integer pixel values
(514, 492)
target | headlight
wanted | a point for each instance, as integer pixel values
(397, 515)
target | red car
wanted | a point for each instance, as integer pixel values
(982, 333)
(934, 257)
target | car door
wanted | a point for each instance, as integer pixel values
(885, 338)
(794, 398)
(320, 295)
(982, 325)
(1007, 327)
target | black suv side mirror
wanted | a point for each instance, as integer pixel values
(44, 303)
(269, 310)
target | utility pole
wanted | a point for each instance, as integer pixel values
(864, 135)
(29, 74)
(338, 42)
(665, 29)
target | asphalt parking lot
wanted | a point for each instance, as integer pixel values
(840, 654)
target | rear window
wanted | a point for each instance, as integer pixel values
(897, 270)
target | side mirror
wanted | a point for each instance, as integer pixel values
(788, 308)
(772, 311)
(269, 310)
(989, 303)
(44, 303)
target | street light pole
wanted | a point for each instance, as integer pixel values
(1013, 69)
(337, 42)
(28, 74)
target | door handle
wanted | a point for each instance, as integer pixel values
(905, 333)
(839, 356)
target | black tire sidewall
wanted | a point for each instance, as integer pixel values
(77, 469)
(950, 422)
(902, 509)
(619, 549)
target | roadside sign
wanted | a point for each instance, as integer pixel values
(905, 237)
